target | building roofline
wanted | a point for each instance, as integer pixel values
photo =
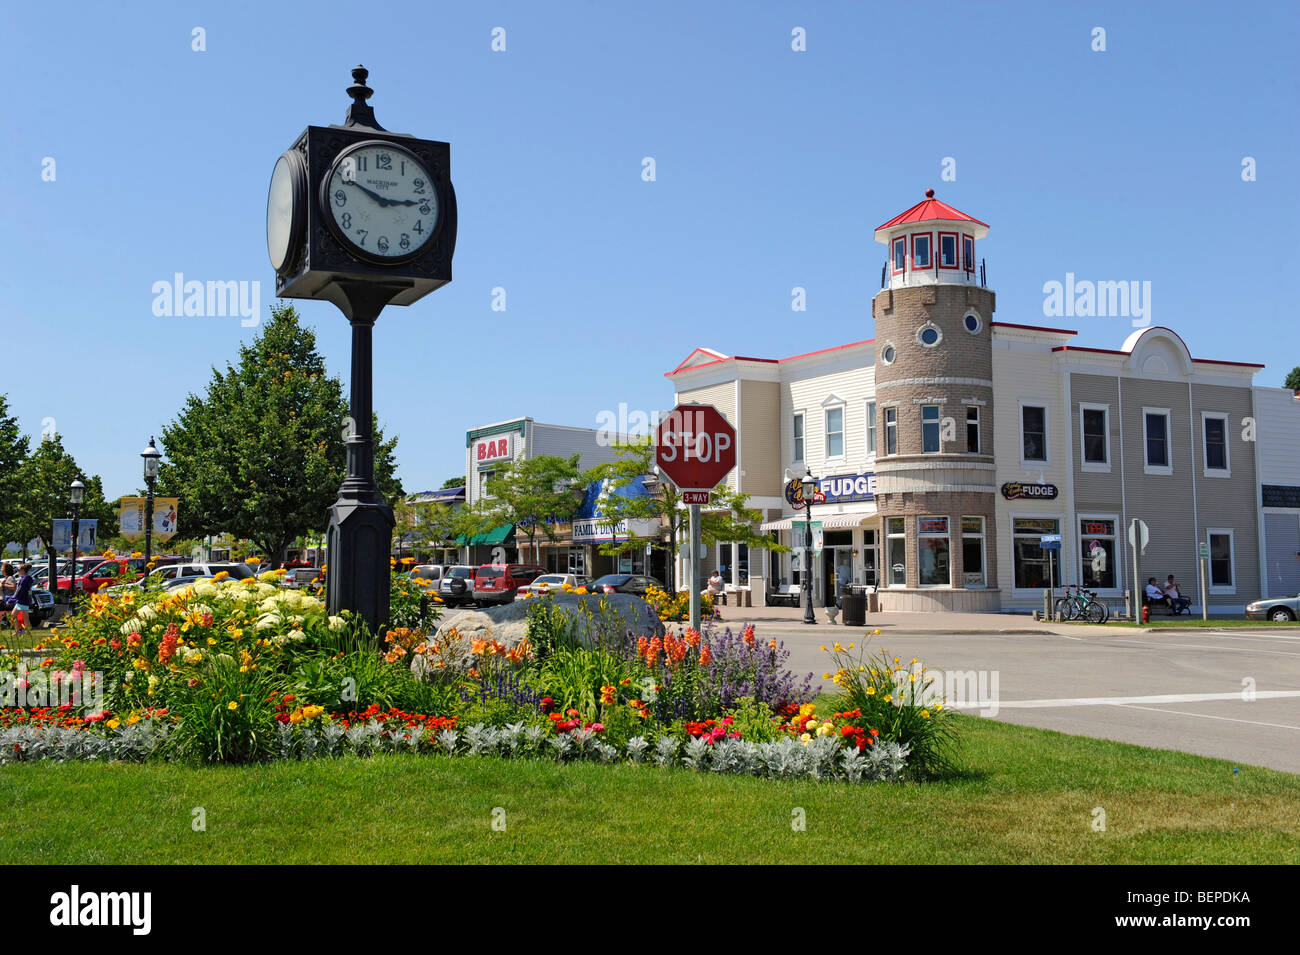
(1034, 328)
(766, 361)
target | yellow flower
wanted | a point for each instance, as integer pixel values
(232, 705)
(925, 714)
(113, 724)
(871, 691)
(133, 719)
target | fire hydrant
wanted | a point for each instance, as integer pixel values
(1146, 613)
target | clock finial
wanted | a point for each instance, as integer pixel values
(361, 113)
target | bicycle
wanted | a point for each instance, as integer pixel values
(1080, 604)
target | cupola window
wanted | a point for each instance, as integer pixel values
(948, 250)
(900, 254)
(921, 251)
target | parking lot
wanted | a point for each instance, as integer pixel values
(1232, 694)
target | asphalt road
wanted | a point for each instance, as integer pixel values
(1232, 694)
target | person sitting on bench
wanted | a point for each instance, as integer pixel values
(716, 588)
(1176, 600)
(1156, 596)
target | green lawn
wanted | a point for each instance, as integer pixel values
(1028, 796)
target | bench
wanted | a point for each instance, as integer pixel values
(786, 596)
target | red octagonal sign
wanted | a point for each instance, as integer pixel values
(696, 447)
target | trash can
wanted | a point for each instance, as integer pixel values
(853, 605)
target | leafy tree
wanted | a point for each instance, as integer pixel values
(457, 481)
(532, 494)
(728, 516)
(1293, 379)
(43, 480)
(13, 452)
(261, 454)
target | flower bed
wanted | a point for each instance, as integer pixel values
(245, 671)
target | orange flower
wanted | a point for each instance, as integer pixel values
(607, 694)
(706, 655)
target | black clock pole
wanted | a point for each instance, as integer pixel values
(360, 534)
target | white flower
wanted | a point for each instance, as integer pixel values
(337, 623)
(297, 635)
(266, 621)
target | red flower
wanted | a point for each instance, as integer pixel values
(546, 704)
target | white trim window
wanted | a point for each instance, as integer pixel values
(896, 552)
(834, 431)
(1223, 560)
(1032, 567)
(1157, 441)
(797, 426)
(1033, 433)
(930, 429)
(933, 561)
(871, 428)
(972, 553)
(891, 429)
(1214, 437)
(1094, 437)
(972, 429)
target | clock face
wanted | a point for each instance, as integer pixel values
(283, 210)
(381, 201)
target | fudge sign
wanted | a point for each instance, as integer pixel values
(1014, 491)
(695, 447)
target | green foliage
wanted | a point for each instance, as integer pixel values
(209, 729)
(754, 721)
(261, 454)
(530, 494)
(42, 484)
(727, 518)
(573, 676)
(457, 481)
(13, 451)
(1292, 379)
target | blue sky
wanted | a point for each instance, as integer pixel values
(773, 168)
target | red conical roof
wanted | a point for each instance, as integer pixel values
(928, 209)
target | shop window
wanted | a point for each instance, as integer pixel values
(973, 429)
(798, 435)
(1030, 563)
(930, 429)
(834, 432)
(1093, 430)
(1216, 445)
(896, 545)
(1033, 433)
(933, 565)
(1097, 543)
(948, 250)
(968, 252)
(972, 551)
(921, 251)
(871, 427)
(1155, 436)
(900, 254)
(891, 430)
(1222, 577)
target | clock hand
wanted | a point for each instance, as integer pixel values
(373, 195)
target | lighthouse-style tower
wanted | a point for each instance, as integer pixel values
(934, 413)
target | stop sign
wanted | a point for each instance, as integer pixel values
(695, 447)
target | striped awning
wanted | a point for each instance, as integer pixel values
(828, 521)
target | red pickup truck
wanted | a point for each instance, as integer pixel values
(95, 573)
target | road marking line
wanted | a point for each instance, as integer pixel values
(1207, 716)
(1123, 700)
(1200, 646)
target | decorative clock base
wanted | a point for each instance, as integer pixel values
(360, 539)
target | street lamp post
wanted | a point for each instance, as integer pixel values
(76, 493)
(808, 492)
(151, 455)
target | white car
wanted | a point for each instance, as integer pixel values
(554, 582)
(457, 585)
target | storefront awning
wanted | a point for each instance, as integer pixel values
(498, 535)
(828, 521)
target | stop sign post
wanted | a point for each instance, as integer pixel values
(695, 448)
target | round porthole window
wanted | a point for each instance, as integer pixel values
(928, 335)
(971, 323)
(888, 354)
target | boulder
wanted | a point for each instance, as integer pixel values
(508, 624)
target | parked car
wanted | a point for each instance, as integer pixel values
(554, 582)
(96, 573)
(1276, 608)
(624, 584)
(430, 572)
(191, 569)
(457, 586)
(302, 577)
(498, 583)
(43, 604)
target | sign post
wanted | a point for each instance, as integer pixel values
(695, 448)
(1050, 543)
(1203, 555)
(1138, 538)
